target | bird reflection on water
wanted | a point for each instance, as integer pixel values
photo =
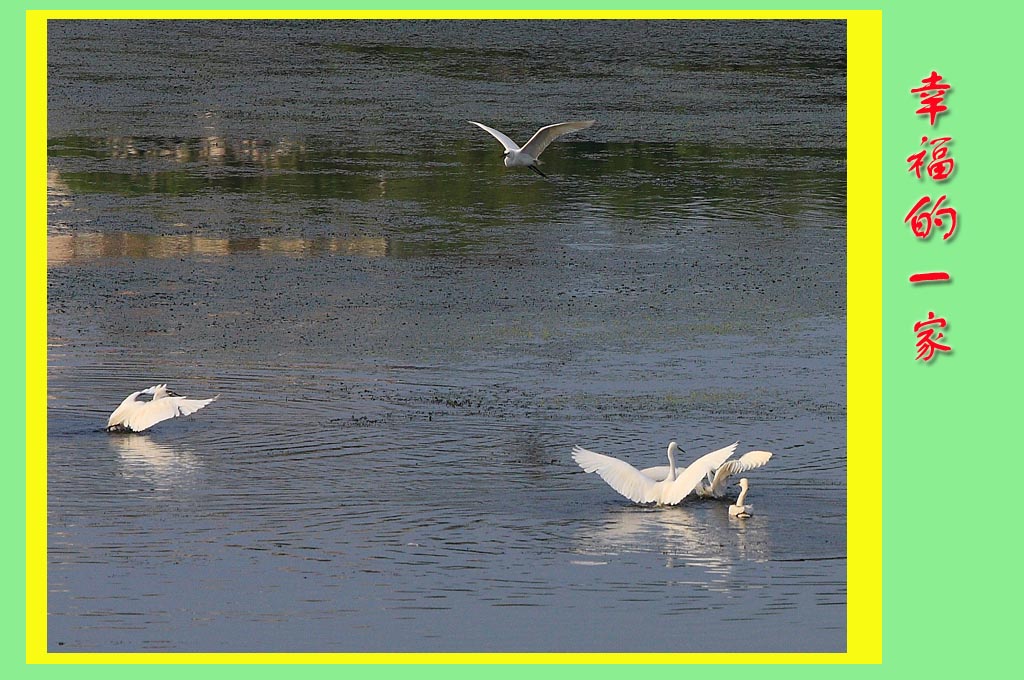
(163, 465)
(695, 535)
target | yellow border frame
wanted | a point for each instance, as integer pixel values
(864, 367)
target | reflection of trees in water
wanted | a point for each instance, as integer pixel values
(66, 248)
(211, 148)
(626, 179)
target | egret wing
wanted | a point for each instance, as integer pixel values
(657, 473)
(121, 412)
(704, 489)
(549, 133)
(159, 410)
(619, 474)
(687, 481)
(500, 136)
(748, 461)
(187, 407)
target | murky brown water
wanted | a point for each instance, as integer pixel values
(408, 338)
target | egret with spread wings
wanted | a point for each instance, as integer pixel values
(640, 488)
(143, 409)
(529, 153)
(715, 483)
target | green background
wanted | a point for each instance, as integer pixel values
(950, 447)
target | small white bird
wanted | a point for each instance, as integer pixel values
(529, 153)
(739, 509)
(136, 413)
(638, 487)
(714, 485)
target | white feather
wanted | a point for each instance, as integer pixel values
(530, 152)
(638, 487)
(748, 461)
(135, 414)
(500, 136)
(659, 472)
(543, 137)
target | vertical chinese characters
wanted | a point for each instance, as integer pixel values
(935, 162)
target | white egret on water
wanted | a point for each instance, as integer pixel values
(143, 409)
(529, 153)
(739, 509)
(671, 489)
(714, 485)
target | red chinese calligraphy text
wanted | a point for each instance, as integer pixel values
(932, 93)
(941, 165)
(926, 277)
(922, 220)
(928, 338)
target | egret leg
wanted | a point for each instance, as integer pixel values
(536, 170)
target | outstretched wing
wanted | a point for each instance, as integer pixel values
(549, 133)
(748, 461)
(687, 481)
(119, 414)
(159, 410)
(619, 474)
(132, 402)
(500, 136)
(657, 473)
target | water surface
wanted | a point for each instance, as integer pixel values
(408, 338)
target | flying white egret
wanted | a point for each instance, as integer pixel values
(638, 487)
(714, 485)
(136, 413)
(529, 153)
(739, 509)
